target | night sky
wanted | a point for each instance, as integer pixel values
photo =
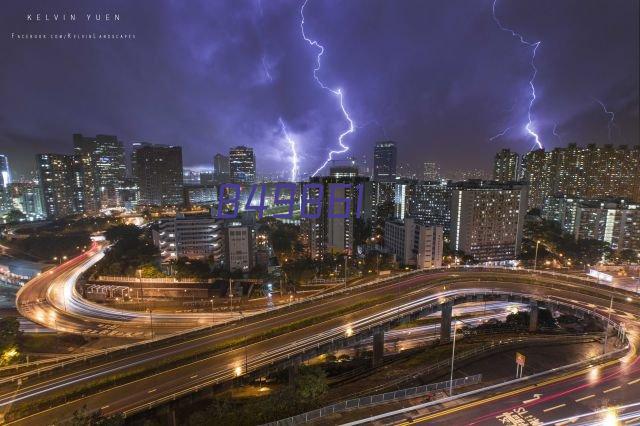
(438, 77)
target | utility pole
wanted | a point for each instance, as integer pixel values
(453, 354)
(535, 262)
(606, 328)
(345, 271)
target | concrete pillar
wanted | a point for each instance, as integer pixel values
(533, 316)
(445, 322)
(378, 348)
(292, 369)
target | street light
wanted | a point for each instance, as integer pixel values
(535, 262)
(212, 318)
(453, 354)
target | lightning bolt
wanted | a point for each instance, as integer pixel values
(532, 98)
(611, 114)
(555, 132)
(499, 135)
(294, 154)
(336, 92)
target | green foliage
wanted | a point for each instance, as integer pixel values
(311, 383)
(14, 216)
(119, 232)
(131, 252)
(82, 417)
(185, 268)
(9, 333)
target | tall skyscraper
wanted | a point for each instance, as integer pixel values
(384, 161)
(591, 172)
(5, 172)
(158, 171)
(103, 169)
(430, 171)
(487, 219)
(242, 164)
(221, 168)
(430, 204)
(506, 166)
(60, 178)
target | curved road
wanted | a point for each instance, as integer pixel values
(390, 299)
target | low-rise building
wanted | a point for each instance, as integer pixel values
(413, 244)
(239, 247)
(195, 236)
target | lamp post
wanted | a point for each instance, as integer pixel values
(606, 328)
(535, 262)
(151, 321)
(212, 318)
(453, 354)
(345, 271)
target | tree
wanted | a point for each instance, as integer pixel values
(14, 216)
(311, 383)
(9, 333)
(119, 232)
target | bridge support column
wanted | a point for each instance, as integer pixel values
(533, 316)
(292, 369)
(445, 322)
(378, 348)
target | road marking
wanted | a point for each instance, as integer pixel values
(585, 398)
(611, 389)
(104, 408)
(536, 396)
(194, 376)
(554, 408)
(153, 390)
(633, 382)
(566, 422)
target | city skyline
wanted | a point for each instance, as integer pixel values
(230, 86)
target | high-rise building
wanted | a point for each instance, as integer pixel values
(239, 247)
(221, 168)
(413, 244)
(5, 171)
(430, 171)
(332, 235)
(343, 171)
(617, 223)
(591, 172)
(60, 178)
(242, 164)
(487, 219)
(158, 171)
(194, 236)
(562, 209)
(384, 161)
(103, 169)
(506, 166)
(430, 204)
(27, 198)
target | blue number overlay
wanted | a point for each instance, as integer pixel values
(337, 198)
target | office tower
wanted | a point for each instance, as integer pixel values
(242, 165)
(384, 161)
(158, 174)
(430, 171)
(487, 219)
(221, 168)
(191, 177)
(27, 197)
(61, 183)
(591, 172)
(562, 209)
(506, 166)
(430, 204)
(5, 172)
(343, 171)
(414, 244)
(332, 235)
(616, 223)
(194, 236)
(103, 169)
(239, 247)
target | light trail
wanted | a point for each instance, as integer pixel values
(294, 154)
(532, 97)
(336, 92)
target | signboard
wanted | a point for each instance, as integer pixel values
(520, 359)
